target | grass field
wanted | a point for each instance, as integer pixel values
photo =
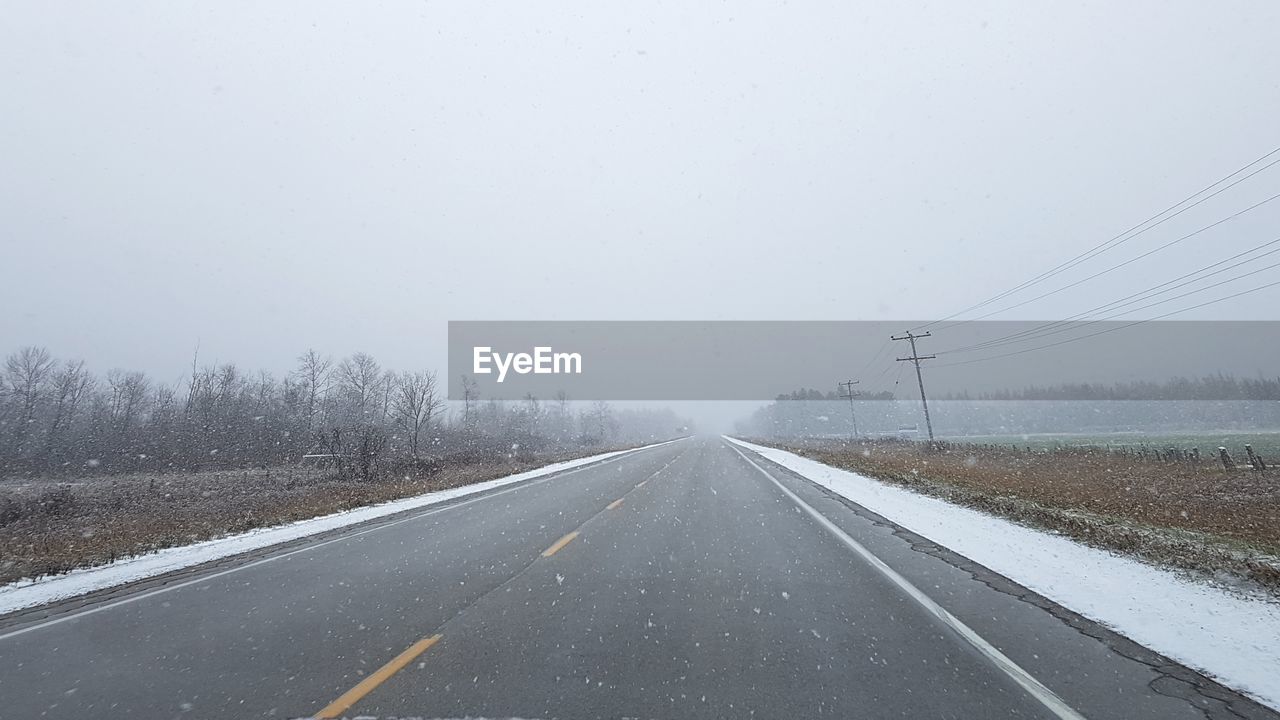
(1266, 443)
(1190, 515)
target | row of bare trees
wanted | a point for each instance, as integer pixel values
(56, 417)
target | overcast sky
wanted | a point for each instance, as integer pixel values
(265, 177)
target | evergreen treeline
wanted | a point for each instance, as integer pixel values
(1209, 387)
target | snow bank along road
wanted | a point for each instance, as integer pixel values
(27, 594)
(694, 579)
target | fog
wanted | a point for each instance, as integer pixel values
(254, 180)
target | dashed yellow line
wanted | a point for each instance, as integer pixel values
(384, 673)
(560, 544)
(366, 686)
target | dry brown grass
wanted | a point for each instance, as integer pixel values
(51, 527)
(1193, 515)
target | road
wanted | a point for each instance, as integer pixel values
(690, 580)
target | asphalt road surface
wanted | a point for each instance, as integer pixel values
(690, 580)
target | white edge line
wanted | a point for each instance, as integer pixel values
(1034, 687)
(344, 536)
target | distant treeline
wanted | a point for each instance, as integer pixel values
(1209, 387)
(811, 394)
(57, 417)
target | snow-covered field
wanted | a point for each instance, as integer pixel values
(30, 593)
(1228, 636)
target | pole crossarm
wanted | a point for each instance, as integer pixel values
(915, 358)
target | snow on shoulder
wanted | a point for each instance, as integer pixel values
(1226, 635)
(31, 593)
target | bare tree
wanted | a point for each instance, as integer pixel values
(413, 405)
(531, 413)
(128, 394)
(360, 379)
(388, 386)
(469, 397)
(355, 452)
(313, 373)
(70, 386)
(561, 419)
(55, 419)
(27, 373)
(599, 424)
(163, 408)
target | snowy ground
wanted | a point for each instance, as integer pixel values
(1230, 637)
(30, 593)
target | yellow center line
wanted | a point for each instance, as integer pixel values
(559, 544)
(384, 673)
(367, 685)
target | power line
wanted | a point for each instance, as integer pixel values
(1147, 293)
(875, 357)
(1153, 291)
(897, 378)
(1114, 329)
(916, 358)
(1166, 300)
(1161, 302)
(1192, 292)
(1130, 261)
(1118, 239)
(885, 371)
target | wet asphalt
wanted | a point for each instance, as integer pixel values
(673, 582)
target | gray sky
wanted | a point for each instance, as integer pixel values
(264, 177)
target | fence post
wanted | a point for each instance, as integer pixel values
(1227, 462)
(1254, 460)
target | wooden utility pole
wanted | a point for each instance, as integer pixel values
(916, 358)
(849, 393)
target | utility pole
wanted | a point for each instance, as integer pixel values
(849, 393)
(916, 358)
